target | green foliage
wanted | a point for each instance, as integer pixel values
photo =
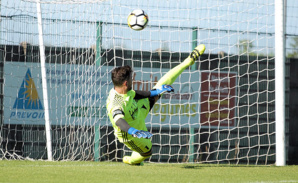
(244, 46)
(294, 45)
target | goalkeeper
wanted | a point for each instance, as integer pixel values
(128, 108)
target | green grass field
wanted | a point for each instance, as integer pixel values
(43, 171)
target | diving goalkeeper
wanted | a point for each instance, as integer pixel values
(128, 108)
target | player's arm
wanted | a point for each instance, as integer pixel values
(118, 115)
(153, 93)
(142, 94)
(124, 126)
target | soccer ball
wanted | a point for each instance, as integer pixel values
(137, 20)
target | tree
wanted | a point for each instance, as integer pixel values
(244, 46)
(294, 46)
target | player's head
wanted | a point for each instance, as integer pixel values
(122, 77)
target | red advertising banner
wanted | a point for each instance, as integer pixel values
(218, 97)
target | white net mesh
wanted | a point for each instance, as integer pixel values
(223, 106)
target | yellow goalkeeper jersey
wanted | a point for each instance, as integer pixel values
(131, 110)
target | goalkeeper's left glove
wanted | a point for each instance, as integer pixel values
(161, 90)
(139, 133)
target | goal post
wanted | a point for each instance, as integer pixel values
(280, 58)
(44, 83)
(57, 61)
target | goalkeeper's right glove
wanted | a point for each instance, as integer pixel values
(160, 90)
(139, 133)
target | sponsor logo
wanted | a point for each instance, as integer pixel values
(27, 104)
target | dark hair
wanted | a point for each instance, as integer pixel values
(121, 74)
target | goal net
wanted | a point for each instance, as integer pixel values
(222, 110)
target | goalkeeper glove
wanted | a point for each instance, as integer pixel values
(139, 133)
(160, 90)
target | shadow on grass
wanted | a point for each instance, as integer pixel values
(192, 167)
(200, 166)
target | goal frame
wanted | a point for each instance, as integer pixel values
(280, 15)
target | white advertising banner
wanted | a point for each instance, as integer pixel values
(77, 95)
